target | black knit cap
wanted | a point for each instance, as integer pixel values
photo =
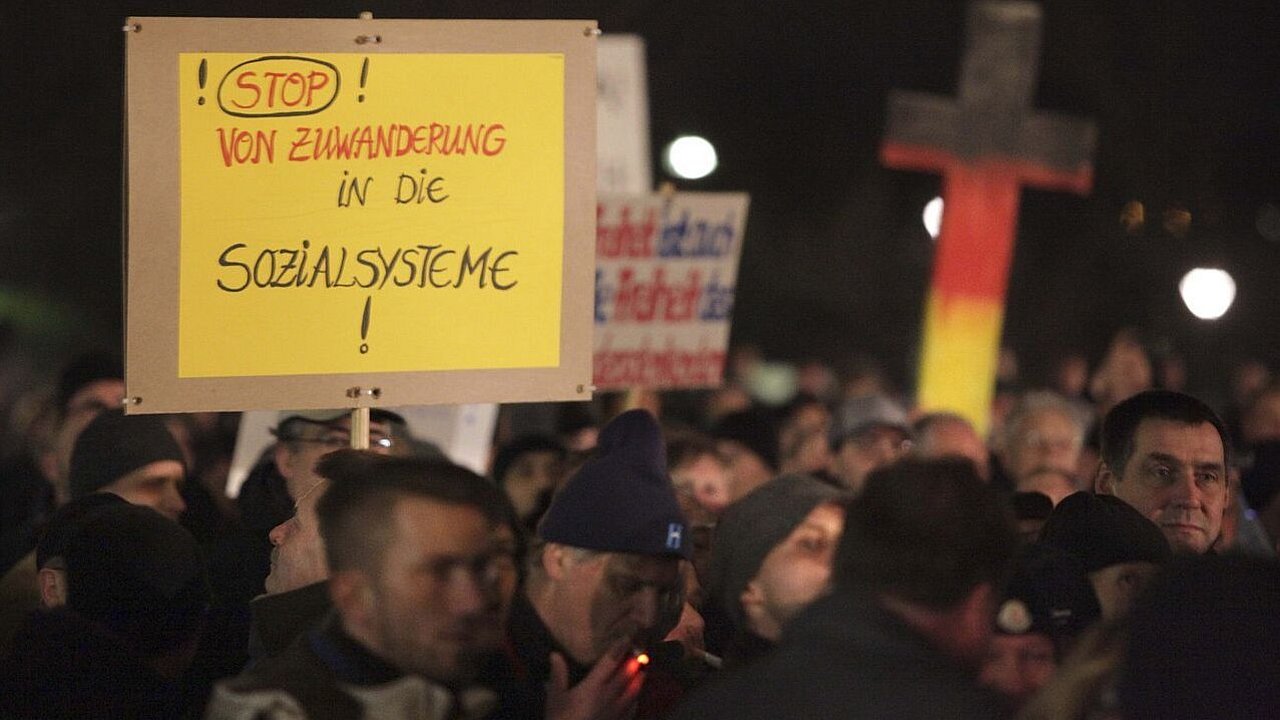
(1102, 530)
(756, 429)
(139, 574)
(114, 445)
(621, 500)
(751, 527)
(60, 528)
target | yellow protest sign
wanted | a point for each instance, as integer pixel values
(404, 189)
(371, 213)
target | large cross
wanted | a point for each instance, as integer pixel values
(986, 145)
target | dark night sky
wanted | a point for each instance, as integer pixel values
(1186, 96)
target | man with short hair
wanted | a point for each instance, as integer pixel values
(268, 498)
(1165, 453)
(297, 594)
(418, 578)
(925, 546)
(604, 581)
(1043, 431)
(945, 434)
(297, 558)
(866, 448)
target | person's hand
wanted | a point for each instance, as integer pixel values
(608, 692)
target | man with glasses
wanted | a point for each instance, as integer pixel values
(865, 447)
(1044, 431)
(297, 595)
(305, 436)
(421, 577)
(1165, 453)
(603, 582)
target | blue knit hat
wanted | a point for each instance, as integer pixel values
(621, 500)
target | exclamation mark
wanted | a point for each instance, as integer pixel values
(203, 75)
(364, 76)
(364, 325)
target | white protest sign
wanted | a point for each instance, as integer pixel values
(666, 271)
(623, 164)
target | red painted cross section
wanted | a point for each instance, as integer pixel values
(987, 144)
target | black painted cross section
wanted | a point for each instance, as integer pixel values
(992, 116)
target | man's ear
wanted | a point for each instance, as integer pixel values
(555, 560)
(53, 587)
(752, 598)
(1104, 483)
(352, 594)
(753, 609)
(284, 458)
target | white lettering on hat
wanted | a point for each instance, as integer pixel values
(675, 532)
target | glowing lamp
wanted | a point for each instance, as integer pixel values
(690, 157)
(1207, 292)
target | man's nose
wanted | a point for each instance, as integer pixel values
(468, 592)
(279, 533)
(644, 608)
(1186, 492)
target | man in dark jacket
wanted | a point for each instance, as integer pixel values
(420, 579)
(297, 589)
(122, 622)
(603, 581)
(924, 547)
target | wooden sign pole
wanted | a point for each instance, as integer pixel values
(360, 428)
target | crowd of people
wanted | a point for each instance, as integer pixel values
(1105, 550)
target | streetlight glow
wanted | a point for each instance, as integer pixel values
(690, 157)
(1207, 292)
(933, 217)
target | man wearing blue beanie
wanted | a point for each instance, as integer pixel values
(603, 581)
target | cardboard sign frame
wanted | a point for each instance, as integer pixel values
(153, 212)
